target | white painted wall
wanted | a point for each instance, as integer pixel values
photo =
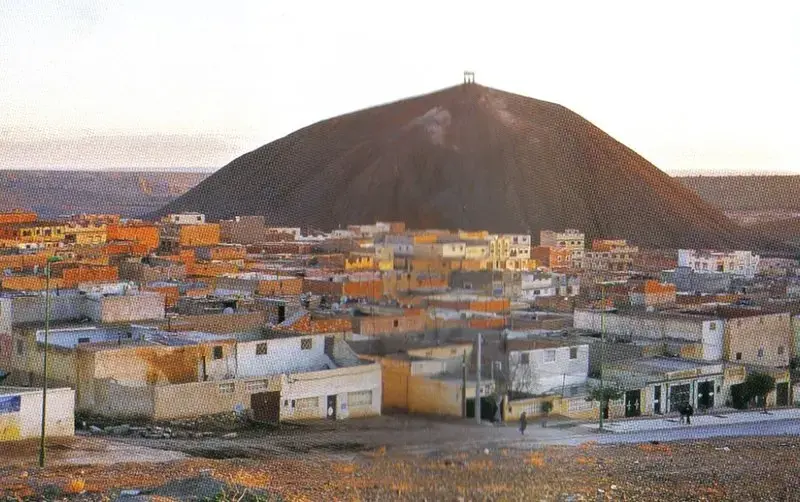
(541, 375)
(636, 326)
(60, 412)
(339, 382)
(713, 339)
(284, 355)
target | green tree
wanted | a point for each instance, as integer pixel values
(546, 407)
(603, 395)
(759, 385)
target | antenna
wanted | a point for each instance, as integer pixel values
(469, 77)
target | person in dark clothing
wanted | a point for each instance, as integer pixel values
(689, 413)
(523, 422)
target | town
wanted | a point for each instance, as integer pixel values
(181, 318)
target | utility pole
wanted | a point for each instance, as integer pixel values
(602, 349)
(50, 260)
(464, 385)
(478, 383)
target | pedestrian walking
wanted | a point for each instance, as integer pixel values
(689, 413)
(523, 422)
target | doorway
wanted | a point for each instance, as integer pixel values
(657, 400)
(705, 395)
(633, 406)
(332, 407)
(266, 406)
(782, 394)
(679, 396)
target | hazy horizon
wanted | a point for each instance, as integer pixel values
(695, 89)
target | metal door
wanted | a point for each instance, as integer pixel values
(782, 394)
(657, 400)
(633, 406)
(705, 395)
(266, 406)
(332, 407)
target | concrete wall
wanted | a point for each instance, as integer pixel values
(207, 398)
(644, 326)
(765, 340)
(24, 413)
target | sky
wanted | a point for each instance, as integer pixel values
(695, 87)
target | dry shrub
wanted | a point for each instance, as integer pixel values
(585, 460)
(535, 459)
(344, 468)
(480, 465)
(655, 448)
(75, 486)
(587, 444)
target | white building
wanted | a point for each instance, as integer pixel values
(739, 263)
(572, 239)
(295, 232)
(543, 366)
(321, 376)
(705, 330)
(186, 218)
(455, 250)
(21, 413)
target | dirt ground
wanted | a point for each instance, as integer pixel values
(747, 469)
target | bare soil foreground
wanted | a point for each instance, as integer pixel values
(747, 469)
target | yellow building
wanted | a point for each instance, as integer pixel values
(35, 233)
(359, 261)
(473, 235)
(85, 235)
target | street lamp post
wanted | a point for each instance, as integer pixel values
(50, 260)
(603, 402)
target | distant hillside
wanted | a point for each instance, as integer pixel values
(52, 193)
(747, 193)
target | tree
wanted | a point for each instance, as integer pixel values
(603, 395)
(546, 407)
(759, 385)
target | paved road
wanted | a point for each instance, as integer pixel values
(690, 432)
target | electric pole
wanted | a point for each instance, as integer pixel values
(478, 384)
(602, 350)
(464, 385)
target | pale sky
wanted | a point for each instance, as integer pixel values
(695, 86)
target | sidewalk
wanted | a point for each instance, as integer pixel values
(712, 419)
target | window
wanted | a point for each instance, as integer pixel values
(395, 323)
(361, 398)
(573, 352)
(307, 403)
(524, 358)
(226, 388)
(261, 349)
(761, 352)
(217, 352)
(85, 339)
(286, 403)
(780, 350)
(199, 218)
(306, 343)
(712, 326)
(549, 356)
(256, 386)
(738, 356)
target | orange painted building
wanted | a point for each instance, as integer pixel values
(210, 269)
(307, 324)
(30, 283)
(17, 216)
(147, 235)
(552, 257)
(220, 253)
(199, 235)
(479, 304)
(24, 261)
